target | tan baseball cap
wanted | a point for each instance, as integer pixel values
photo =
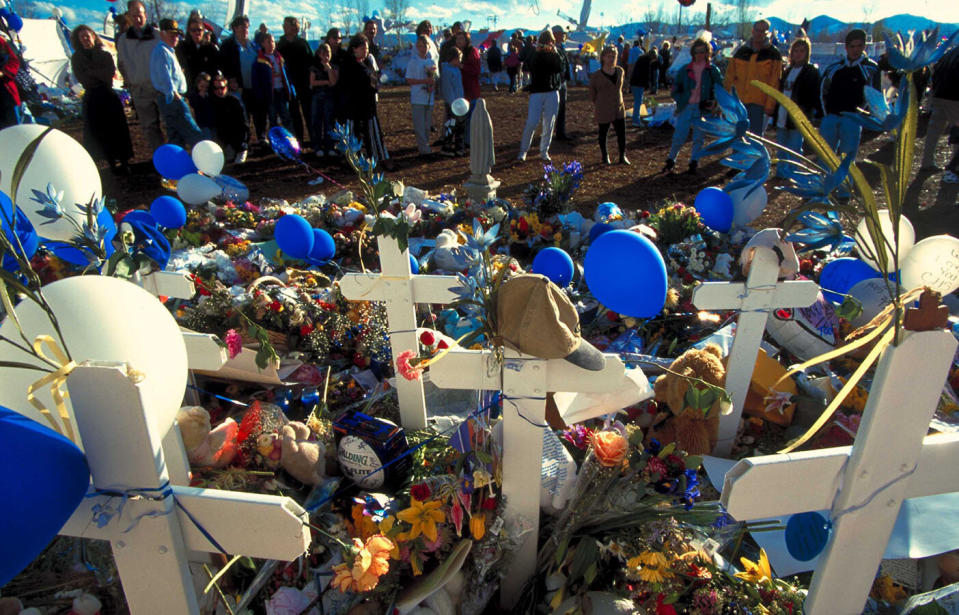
(535, 317)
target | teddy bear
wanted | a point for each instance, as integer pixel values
(693, 429)
(207, 447)
(302, 458)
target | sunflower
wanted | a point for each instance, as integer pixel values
(423, 516)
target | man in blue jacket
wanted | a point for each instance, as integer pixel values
(170, 84)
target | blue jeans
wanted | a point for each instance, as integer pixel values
(279, 110)
(181, 128)
(637, 102)
(791, 138)
(757, 118)
(322, 116)
(841, 133)
(684, 123)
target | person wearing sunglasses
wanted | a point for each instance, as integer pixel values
(195, 55)
(232, 131)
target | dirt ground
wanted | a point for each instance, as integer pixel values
(932, 204)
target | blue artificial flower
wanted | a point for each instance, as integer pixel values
(481, 241)
(51, 201)
(822, 231)
(729, 126)
(816, 187)
(882, 117)
(921, 50)
(752, 158)
(347, 142)
(691, 492)
(468, 287)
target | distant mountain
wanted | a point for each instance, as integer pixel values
(906, 23)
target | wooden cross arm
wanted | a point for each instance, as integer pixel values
(169, 284)
(265, 526)
(374, 287)
(726, 296)
(809, 480)
(467, 369)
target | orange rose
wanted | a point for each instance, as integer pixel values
(610, 448)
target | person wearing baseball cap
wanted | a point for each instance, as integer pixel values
(168, 79)
(535, 317)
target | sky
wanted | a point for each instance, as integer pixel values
(529, 14)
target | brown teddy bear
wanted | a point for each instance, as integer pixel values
(693, 429)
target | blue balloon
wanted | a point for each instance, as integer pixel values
(168, 211)
(294, 235)
(598, 229)
(414, 265)
(49, 476)
(233, 189)
(626, 273)
(716, 209)
(555, 264)
(841, 274)
(323, 247)
(806, 535)
(284, 144)
(173, 162)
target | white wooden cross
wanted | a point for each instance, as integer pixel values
(153, 538)
(864, 485)
(524, 381)
(401, 291)
(755, 299)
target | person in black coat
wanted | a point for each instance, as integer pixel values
(196, 56)
(105, 132)
(232, 131)
(642, 78)
(298, 56)
(359, 83)
(800, 82)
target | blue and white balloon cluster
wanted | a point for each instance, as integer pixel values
(298, 239)
(198, 173)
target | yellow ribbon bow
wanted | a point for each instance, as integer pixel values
(56, 379)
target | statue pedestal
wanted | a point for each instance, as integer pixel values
(481, 188)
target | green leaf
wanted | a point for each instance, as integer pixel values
(590, 573)
(381, 190)
(931, 608)
(905, 148)
(561, 552)
(586, 553)
(693, 462)
(668, 449)
(125, 267)
(23, 162)
(671, 598)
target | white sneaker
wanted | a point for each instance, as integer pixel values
(950, 178)
(240, 158)
(546, 158)
(521, 157)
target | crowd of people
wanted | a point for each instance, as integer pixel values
(186, 86)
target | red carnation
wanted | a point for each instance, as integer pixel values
(427, 338)
(420, 491)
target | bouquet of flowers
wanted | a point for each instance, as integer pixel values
(552, 194)
(674, 223)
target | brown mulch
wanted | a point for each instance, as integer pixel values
(932, 204)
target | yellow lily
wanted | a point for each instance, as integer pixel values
(756, 572)
(423, 516)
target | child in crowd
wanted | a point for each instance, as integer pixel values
(323, 77)
(421, 76)
(451, 88)
(203, 106)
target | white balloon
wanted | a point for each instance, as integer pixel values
(864, 245)
(208, 158)
(460, 107)
(59, 160)
(933, 262)
(102, 319)
(874, 297)
(748, 207)
(197, 189)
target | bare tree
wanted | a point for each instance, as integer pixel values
(396, 11)
(362, 8)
